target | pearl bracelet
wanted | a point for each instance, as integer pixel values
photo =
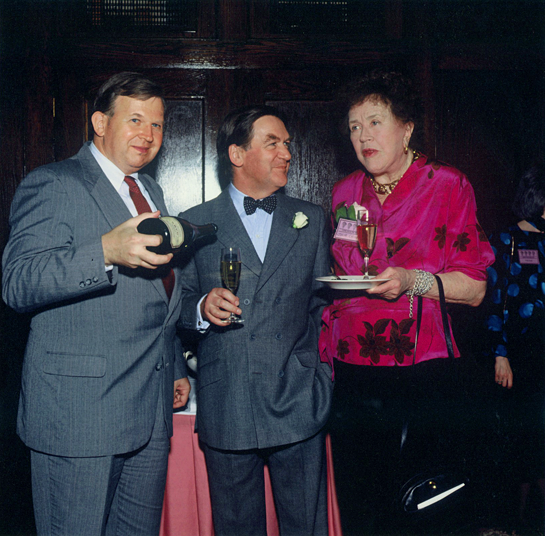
(422, 284)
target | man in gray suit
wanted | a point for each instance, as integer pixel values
(263, 394)
(102, 355)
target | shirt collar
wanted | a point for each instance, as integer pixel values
(238, 199)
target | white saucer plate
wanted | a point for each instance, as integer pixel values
(351, 282)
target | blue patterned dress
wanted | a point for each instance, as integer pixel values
(516, 328)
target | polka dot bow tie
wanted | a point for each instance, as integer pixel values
(268, 204)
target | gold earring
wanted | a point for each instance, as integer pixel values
(406, 150)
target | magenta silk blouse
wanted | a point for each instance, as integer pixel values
(429, 222)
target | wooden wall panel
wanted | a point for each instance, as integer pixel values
(180, 163)
(316, 156)
(490, 125)
(217, 105)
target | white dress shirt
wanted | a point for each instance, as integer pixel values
(258, 224)
(117, 178)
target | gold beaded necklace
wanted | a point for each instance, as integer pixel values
(387, 189)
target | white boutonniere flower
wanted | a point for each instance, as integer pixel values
(300, 220)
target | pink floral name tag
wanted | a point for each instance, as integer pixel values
(528, 256)
(346, 230)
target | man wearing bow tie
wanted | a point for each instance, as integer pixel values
(263, 394)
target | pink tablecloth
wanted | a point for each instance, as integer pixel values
(187, 511)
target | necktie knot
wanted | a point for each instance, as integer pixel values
(251, 205)
(133, 187)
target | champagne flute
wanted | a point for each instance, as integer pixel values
(367, 234)
(230, 274)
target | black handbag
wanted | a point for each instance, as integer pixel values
(435, 499)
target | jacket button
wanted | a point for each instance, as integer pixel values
(277, 300)
(281, 374)
(158, 366)
(252, 337)
(278, 336)
(95, 279)
(246, 301)
(82, 284)
(87, 282)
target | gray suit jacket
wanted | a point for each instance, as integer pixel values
(101, 346)
(262, 384)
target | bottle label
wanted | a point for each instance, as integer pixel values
(176, 231)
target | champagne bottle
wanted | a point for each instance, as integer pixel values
(177, 234)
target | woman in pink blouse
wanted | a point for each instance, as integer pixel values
(427, 224)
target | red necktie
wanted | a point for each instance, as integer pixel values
(143, 206)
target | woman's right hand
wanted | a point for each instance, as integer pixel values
(504, 374)
(401, 280)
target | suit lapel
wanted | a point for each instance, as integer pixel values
(232, 233)
(281, 240)
(101, 190)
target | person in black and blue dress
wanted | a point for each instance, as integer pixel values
(516, 328)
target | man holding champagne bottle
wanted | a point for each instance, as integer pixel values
(263, 393)
(103, 367)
